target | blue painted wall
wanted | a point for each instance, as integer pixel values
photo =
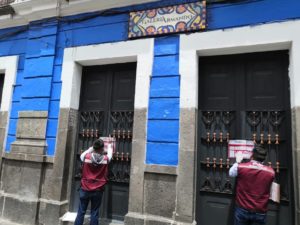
(163, 114)
(14, 43)
(40, 47)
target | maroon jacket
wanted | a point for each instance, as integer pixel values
(253, 186)
(94, 177)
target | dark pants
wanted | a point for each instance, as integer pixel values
(95, 198)
(245, 217)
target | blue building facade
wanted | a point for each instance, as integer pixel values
(40, 127)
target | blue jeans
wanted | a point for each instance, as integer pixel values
(245, 217)
(95, 198)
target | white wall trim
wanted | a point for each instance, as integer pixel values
(269, 37)
(31, 10)
(8, 66)
(140, 51)
(83, 6)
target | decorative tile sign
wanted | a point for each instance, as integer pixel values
(172, 19)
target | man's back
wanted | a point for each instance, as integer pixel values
(94, 176)
(253, 186)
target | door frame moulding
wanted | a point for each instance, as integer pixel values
(262, 38)
(139, 51)
(9, 67)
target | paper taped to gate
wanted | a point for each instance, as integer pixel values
(275, 192)
(109, 140)
(244, 147)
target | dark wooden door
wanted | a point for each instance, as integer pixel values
(106, 109)
(242, 97)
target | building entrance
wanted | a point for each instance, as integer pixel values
(242, 97)
(106, 109)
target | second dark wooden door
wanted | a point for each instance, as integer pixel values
(242, 97)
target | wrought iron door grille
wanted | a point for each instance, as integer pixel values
(119, 125)
(217, 126)
(262, 127)
(266, 128)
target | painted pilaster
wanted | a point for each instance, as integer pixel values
(163, 116)
(34, 90)
(155, 182)
(56, 190)
(31, 129)
(296, 158)
(160, 173)
(186, 182)
(294, 71)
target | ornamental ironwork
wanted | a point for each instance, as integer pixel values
(264, 128)
(120, 124)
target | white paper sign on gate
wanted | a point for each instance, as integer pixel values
(275, 192)
(243, 146)
(109, 140)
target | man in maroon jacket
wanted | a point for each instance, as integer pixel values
(254, 181)
(94, 177)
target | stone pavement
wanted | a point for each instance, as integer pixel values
(5, 222)
(69, 218)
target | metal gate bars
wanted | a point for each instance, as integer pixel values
(216, 163)
(116, 124)
(262, 127)
(266, 130)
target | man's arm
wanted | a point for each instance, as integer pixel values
(82, 156)
(233, 171)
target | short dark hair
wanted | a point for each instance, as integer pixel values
(259, 152)
(98, 144)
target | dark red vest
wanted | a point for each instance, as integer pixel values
(94, 177)
(253, 186)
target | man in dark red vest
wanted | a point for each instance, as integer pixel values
(254, 181)
(94, 177)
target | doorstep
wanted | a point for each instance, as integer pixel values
(69, 218)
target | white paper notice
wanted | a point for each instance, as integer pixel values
(244, 147)
(107, 141)
(275, 192)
